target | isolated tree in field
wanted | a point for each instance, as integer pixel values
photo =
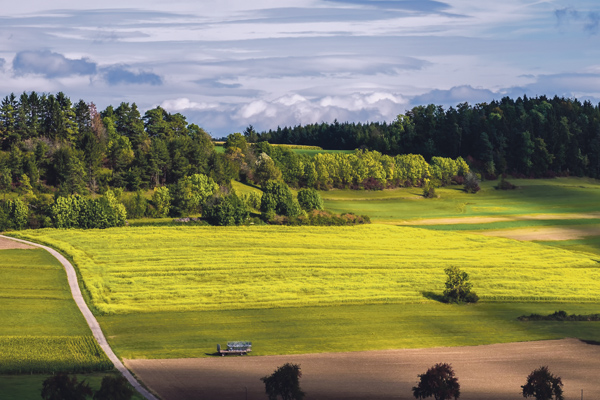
(64, 387)
(458, 287)
(471, 183)
(438, 382)
(542, 385)
(114, 388)
(284, 382)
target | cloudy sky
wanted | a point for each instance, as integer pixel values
(229, 63)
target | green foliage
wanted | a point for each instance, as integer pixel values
(310, 199)
(458, 287)
(226, 210)
(79, 212)
(438, 382)
(428, 189)
(542, 385)
(278, 198)
(114, 388)
(266, 169)
(236, 141)
(191, 192)
(284, 382)
(161, 200)
(64, 387)
(559, 316)
(18, 212)
(137, 205)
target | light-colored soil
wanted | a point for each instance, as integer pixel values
(6, 244)
(494, 372)
(544, 233)
(487, 220)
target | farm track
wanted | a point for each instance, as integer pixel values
(87, 314)
(492, 372)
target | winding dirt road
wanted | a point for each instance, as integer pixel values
(87, 314)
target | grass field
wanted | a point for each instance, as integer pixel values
(42, 329)
(561, 195)
(339, 328)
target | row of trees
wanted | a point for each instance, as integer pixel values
(529, 136)
(439, 382)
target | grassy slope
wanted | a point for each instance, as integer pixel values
(562, 195)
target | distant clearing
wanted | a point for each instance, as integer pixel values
(494, 372)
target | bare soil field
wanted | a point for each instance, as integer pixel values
(7, 244)
(493, 372)
(487, 220)
(544, 233)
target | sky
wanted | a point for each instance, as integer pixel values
(227, 64)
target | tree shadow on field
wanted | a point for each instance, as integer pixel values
(434, 296)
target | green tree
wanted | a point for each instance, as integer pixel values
(114, 388)
(161, 199)
(226, 210)
(64, 387)
(284, 382)
(310, 199)
(266, 170)
(438, 382)
(278, 198)
(542, 385)
(18, 212)
(458, 287)
(5, 181)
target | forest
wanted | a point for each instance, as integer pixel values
(528, 137)
(66, 164)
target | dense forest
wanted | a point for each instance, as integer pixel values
(532, 137)
(67, 164)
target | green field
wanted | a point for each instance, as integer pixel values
(177, 291)
(561, 195)
(42, 329)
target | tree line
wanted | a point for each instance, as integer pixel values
(57, 157)
(529, 137)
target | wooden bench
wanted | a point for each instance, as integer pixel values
(241, 348)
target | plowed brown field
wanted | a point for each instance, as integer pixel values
(493, 372)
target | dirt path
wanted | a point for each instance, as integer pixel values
(87, 314)
(494, 372)
(7, 244)
(544, 233)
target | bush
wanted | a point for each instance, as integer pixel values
(278, 197)
(428, 189)
(310, 199)
(438, 382)
(505, 185)
(226, 210)
(471, 183)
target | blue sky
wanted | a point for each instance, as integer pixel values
(228, 63)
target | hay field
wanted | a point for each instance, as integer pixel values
(147, 269)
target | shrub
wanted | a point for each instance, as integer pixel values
(438, 382)
(310, 199)
(226, 210)
(471, 183)
(505, 185)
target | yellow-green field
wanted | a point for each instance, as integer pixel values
(133, 270)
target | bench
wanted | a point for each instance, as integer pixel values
(240, 348)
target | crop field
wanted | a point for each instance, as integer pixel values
(42, 329)
(216, 268)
